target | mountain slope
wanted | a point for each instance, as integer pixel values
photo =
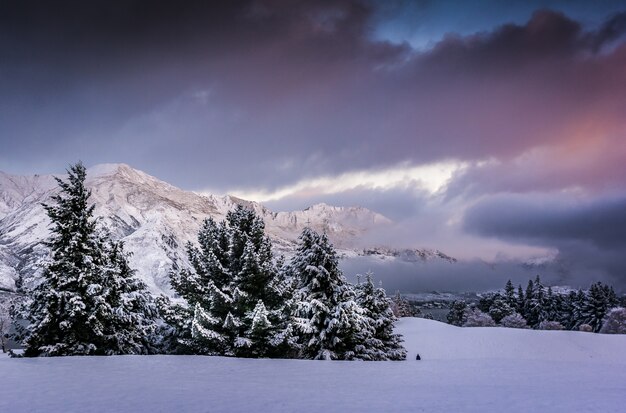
(156, 220)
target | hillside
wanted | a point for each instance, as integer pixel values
(462, 370)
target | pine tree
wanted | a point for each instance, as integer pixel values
(500, 308)
(383, 344)
(457, 316)
(236, 297)
(401, 306)
(509, 293)
(520, 299)
(600, 299)
(534, 302)
(329, 323)
(88, 301)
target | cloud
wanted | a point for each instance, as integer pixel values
(588, 233)
(298, 90)
(430, 178)
(301, 102)
(548, 219)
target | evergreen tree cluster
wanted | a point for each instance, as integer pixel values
(236, 300)
(240, 301)
(539, 307)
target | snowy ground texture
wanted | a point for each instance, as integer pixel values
(462, 370)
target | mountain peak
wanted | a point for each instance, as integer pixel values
(106, 169)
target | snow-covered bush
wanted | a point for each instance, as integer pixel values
(615, 321)
(550, 325)
(586, 328)
(514, 320)
(500, 309)
(476, 318)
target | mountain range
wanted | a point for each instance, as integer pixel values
(156, 220)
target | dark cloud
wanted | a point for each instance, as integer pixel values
(589, 235)
(600, 222)
(185, 90)
(468, 275)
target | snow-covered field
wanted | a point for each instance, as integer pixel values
(462, 370)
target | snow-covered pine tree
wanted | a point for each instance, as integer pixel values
(401, 306)
(457, 316)
(88, 301)
(600, 299)
(565, 309)
(520, 299)
(509, 293)
(535, 301)
(500, 308)
(578, 301)
(329, 323)
(526, 308)
(550, 307)
(236, 296)
(130, 321)
(384, 344)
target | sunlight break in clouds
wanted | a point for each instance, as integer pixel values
(430, 178)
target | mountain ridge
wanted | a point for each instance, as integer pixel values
(156, 219)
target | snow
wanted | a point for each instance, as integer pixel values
(462, 370)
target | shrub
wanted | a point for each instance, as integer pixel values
(551, 325)
(514, 320)
(615, 321)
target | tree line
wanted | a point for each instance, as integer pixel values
(540, 307)
(237, 299)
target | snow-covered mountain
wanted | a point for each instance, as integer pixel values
(156, 220)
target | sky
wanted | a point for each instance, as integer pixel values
(494, 131)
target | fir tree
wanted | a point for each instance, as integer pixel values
(500, 308)
(520, 299)
(401, 306)
(88, 301)
(457, 316)
(329, 322)
(534, 302)
(509, 293)
(600, 299)
(383, 344)
(236, 296)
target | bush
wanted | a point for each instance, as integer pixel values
(514, 320)
(551, 325)
(615, 321)
(476, 318)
